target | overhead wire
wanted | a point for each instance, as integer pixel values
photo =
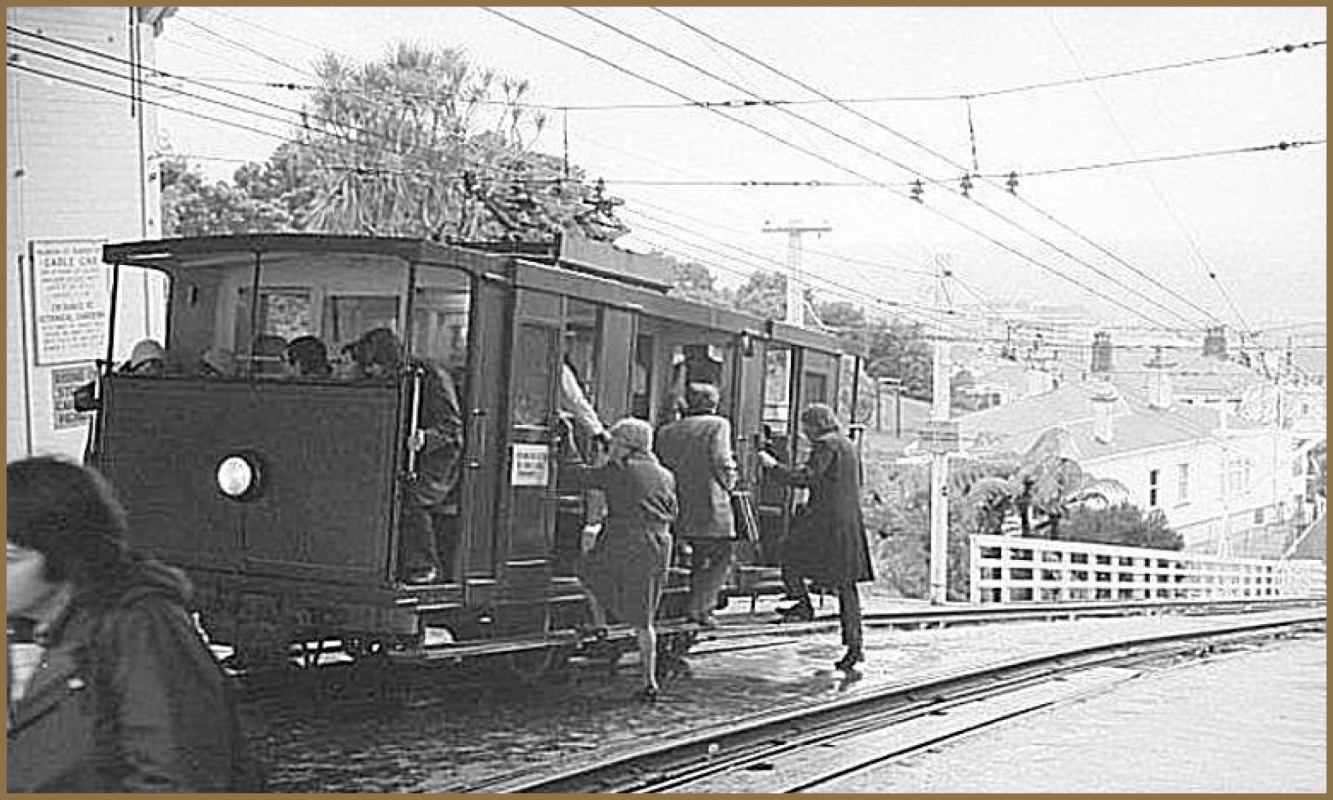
(927, 149)
(839, 166)
(1180, 225)
(846, 291)
(958, 96)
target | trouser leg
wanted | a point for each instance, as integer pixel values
(709, 562)
(849, 615)
(417, 540)
(794, 584)
(445, 537)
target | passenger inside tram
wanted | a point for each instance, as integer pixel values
(266, 356)
(428, 527)
(307, 357)
(148, 358)
(216, 362)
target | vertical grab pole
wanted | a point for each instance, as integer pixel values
(414, 421)
(92, 452)
(254, 319)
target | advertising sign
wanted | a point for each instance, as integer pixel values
(531, 465)
(64, 380)
(71, 300)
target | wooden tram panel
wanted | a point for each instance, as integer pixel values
(315, 553)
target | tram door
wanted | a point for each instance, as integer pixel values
(528, 512)
(793, 378)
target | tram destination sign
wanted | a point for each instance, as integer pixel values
(71, 300)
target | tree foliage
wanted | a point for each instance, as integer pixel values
(1125, 525)
(422, 143)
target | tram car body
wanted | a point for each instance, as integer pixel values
(309, 552)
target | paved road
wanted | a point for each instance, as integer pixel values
(453, 728)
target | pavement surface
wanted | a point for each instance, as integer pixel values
(451, 729)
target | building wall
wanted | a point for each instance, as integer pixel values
(78, 163)
(1221, 497)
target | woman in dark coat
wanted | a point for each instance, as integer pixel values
(119, 692)
(627, 568)
(827, 541)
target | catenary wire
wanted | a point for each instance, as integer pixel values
(849, 170)
(931, 151)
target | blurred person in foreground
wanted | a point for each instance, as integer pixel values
(122, 694)
(827, 540)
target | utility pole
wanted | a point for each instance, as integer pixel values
(795, 230)
(942, 438)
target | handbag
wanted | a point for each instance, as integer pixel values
(745, 515)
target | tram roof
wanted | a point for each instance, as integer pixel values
(595, 260)
(209, 250)
(571, 252)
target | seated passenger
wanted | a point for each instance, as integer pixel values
(216, 362)
(308, 358)
(426, 527)
(266, 357)
(147, 358)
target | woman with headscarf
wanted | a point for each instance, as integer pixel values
(627, 568)
(827, 541)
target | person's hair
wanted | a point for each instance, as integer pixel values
(380, 346)
(819, 418)
(634, 433)
(70, 515)
(309, 355)
(701, 398)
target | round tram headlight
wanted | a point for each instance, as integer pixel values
(238, 476)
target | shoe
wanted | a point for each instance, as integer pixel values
(647, 694)
(801, 612)
(853, 657)
(705, 622)
(422, 577)
(596, 633)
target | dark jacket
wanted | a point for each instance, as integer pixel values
(697, 450)
(827, 540)
(128, 698)
(439, 463)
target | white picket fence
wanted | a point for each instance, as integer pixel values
(1005, 569)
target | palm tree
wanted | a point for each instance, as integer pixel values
(425, 144)
(1048, 477)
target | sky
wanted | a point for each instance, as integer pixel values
(1236, 239)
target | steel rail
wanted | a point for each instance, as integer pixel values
(726, 747)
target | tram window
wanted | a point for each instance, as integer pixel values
(347, 317)
(816, 388)
(641, 377)
(582, 334)
(777, 383)
(288, 313)
(440, 326)
(533, 365)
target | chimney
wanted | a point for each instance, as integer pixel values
(1159, 379)
(1103, 400)
(1101, 353)
(1215, 342)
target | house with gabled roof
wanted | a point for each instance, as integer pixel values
(1226, 484)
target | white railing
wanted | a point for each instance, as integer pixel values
(1004, 569)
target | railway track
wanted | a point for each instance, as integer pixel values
(734, 637)
(788, 750)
